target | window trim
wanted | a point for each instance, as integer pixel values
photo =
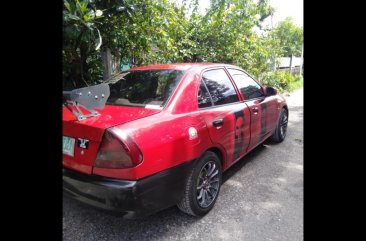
(245, 72)
(218, 106)
(231, 80)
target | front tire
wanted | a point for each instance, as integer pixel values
(281, 129)
(202, 186)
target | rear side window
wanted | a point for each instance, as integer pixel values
(220, 87)
(247, 86)
(204, 99)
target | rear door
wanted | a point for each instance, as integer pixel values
(227, 118)
(261, 107)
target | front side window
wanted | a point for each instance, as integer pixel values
(220, 87)
(143, 87)
(247, 86)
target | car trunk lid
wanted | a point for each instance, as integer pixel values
(81, 139)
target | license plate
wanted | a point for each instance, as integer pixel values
(68, 145)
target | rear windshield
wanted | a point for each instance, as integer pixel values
(144, 88)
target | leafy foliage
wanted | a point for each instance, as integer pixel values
(282, 80)
(299, 82)
(159, 31)
(289, 36)
(82, 39)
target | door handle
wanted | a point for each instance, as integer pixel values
(255, 110)
(218, 122)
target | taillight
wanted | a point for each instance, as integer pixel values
(117, 151)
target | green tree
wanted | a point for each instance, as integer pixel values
(289, 36)
(99, 35)
(81, 38)
(225, 33)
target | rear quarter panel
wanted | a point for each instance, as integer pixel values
(164, 144)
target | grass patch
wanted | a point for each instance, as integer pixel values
(296, 85)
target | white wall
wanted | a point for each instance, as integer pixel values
(285, 62)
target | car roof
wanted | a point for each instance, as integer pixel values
(180, 66)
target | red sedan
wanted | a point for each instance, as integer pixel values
(161, 135)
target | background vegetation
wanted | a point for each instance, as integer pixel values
(101, 36)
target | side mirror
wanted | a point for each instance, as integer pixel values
(270, 91)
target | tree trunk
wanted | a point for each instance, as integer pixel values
(83, 65)
(111, 63)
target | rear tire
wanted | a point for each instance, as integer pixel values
(202, 186)
(281, 128)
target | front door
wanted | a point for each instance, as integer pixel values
(260, 106)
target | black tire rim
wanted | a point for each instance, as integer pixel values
(283, 125)
(208, 183)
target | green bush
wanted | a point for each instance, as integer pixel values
(297, 78)
(280, 80)
(297, 84)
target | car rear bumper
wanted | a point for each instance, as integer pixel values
(130, 199)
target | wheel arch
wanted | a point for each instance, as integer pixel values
(220, 155)
(283, 107)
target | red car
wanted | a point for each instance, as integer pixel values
(164, 136)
